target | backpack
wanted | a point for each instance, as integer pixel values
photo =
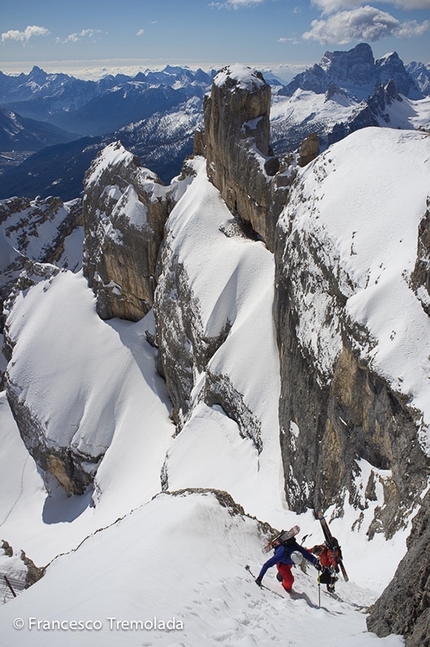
(284, 538)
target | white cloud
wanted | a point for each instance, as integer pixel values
(330, 6)
(411, 28)
(234, 4)
(242, 3)
(294, 41)
(24, 36)
(85, 33)
(362, 23)
(140, 32)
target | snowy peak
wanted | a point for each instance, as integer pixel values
(358, 71)
(391, 68)
(240, 77)
(421, 75)
(354, 67)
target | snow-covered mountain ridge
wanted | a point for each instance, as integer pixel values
(156, 113)
(356, 71)
(277, 331)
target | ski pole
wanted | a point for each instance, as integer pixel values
(319, 590)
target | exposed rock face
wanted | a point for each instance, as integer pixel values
(391, 68)
(421, 75)
(32, 230)
(404, 607)
(382, 97)
(355, 67)
(372, 113)
(34, 573)
(188, 336)
(308, 149)
(240, 162)
(420, 277)
(335, 409)
(125, 208)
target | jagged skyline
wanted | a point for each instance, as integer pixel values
(70, 37)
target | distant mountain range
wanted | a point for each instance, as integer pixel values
(99, 107)
(65, 121)
(357, 71)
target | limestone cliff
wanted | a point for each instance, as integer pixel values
(344, 398)
(404, 606)
(125, 208)
(240, 162)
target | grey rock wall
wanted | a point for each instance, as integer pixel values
(240, 162)
(125, 208)
(404, 606)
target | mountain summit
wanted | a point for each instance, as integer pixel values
(357, 71)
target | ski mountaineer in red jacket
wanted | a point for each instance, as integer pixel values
(284, 558)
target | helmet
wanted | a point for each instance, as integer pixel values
(296, 557)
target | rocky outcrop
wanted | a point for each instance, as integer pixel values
(33, 230)
(125, 208)
(404, 607)
(73, 469)
(383, 97)
(420, 277)
(240, 162)
(308, 150)
(34, 573)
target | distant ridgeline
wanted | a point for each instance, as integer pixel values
(347, 228)
(46, 120)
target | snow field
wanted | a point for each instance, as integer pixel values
(182, 558)
(179, 557)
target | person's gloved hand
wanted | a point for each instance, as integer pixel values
(318, 566)
(258, 581)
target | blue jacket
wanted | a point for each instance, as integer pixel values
(283, 555)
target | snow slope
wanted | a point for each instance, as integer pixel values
(293, 118)
(183, 557)
(232, 279)
(95, 385)
(178, 560)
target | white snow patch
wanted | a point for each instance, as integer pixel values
(246, 77)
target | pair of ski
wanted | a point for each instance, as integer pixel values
(332, 543)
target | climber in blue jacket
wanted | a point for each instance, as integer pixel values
(286, 555)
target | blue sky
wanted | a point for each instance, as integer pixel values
(78, 33)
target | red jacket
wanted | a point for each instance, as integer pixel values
(327, 558)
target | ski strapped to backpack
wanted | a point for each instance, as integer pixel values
(281, 539)
(333, 544)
